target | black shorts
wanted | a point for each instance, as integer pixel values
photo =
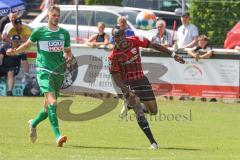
(143, 89)
(5, 70)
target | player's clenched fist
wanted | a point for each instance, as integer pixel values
(11, 52)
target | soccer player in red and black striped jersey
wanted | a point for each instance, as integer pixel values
(127, 73)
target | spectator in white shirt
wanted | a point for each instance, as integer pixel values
(187, 33)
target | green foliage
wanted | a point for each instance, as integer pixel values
(215, 18)
(104, 2)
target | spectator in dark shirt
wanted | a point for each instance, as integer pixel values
(101, 38)
(10, 65)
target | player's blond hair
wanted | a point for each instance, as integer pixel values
(54, 7)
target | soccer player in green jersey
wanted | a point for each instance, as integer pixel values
(53, 46)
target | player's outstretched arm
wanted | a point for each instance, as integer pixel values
(165, 50)
(20, 49)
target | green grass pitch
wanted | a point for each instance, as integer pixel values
(200, 131)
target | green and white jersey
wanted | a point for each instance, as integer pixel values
(50, 46)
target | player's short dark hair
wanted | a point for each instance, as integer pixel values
(117, 31)
(54, 7)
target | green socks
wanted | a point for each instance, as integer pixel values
(42, 115)
(52, 115)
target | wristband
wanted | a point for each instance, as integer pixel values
(173, 54)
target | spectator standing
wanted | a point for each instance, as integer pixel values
(24, 32)
(10, 65)
(163, 36)
(6, 19)
(18, 29)
(7, 22)
(122, 23)
(187, 33)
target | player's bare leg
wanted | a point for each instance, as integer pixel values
(150, 107)
(142, 121)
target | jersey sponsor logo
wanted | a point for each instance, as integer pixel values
(130, 60)
(134, 51)
(55, 46)
(51, 45)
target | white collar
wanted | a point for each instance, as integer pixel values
(53, 30)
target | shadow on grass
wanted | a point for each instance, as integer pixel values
(180, 149)
(102, 147)
(126, 148)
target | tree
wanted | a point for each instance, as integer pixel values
(215, 18)
(104, 2)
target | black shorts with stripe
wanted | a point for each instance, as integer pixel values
(4, 70)
(143, 89)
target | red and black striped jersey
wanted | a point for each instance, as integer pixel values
(127, 61)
